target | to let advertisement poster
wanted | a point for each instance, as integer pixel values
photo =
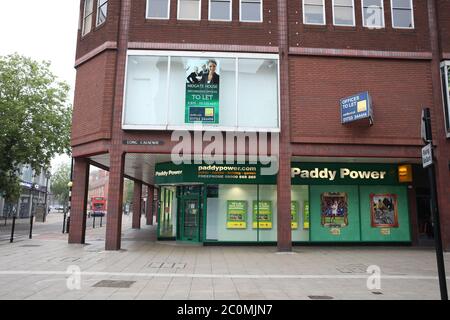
(262, 215)
(294, 215)
(202, 91)
(236, 214)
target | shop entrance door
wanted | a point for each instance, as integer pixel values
(190, 219)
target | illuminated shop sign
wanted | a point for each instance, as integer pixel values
(356, 107)
(302, 174)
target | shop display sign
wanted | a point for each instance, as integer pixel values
(262, 216)
(306, 215)
(202, 91)
(237, 214)
(356, 107)
(294, 215)
(334, 210)
(384, 211)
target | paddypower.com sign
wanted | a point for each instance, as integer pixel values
(350, 174)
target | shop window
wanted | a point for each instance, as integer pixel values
(88, 12)
(189, 9)
(220, 10)
(373, 14)
(314, 12)
(402, 14)
(146, 91)
(218, 93)
(102, 11)
(344, 13)
(255, 74)
(251, 10)
(158, 9)
(167, 222)
(300, 213)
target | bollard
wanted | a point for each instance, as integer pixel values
(31, 227)
(64, 223)
(101, 221)
(93, 223)
(12, 229)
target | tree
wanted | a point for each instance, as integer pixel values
(35, 119)
(60, 184)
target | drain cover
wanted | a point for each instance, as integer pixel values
(113, 284)
(30, 246)
(320, 297)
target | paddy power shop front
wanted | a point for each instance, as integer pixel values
(219, 204)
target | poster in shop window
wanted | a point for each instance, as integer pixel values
(306, 215)
(262, 216)
(202, 91)
(294, 215)
(237, 214)
(334, 209)
(384, 211)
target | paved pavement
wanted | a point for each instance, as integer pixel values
(48, 268)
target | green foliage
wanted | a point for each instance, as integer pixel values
(59, 184)
(35, 119)
(128, 191)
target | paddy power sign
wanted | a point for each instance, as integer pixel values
(202, 91)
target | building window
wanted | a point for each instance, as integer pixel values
(373, 14)
(344, 13)
(314, 12)
(158, 9)
(251, 11)
(402, 14)
(87, 16)
(102, 11)
(189, 9)
(220, 10)
(445, 76)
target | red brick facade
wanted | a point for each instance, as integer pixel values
(318, 64)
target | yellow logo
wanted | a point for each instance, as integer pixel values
(209, 112)
(362, 106)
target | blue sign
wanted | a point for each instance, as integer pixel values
(356, 107)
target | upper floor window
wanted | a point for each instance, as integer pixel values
(158, 9)
(251, 10)
(189, 9)
(87, 16)
(344, 13)
(402, 14)
(220, 10)
(313, 11)
(373, 13)
(102, 11)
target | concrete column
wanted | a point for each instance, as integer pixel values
(137, 196)
(115, 199)
(150, 195)
(77, 231)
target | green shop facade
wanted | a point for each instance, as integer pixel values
(331, 202)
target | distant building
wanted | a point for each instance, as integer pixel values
(34, 193)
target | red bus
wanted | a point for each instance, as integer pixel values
(98, 206)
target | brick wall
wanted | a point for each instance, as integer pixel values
(399, 90)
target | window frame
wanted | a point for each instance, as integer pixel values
(445, 95)
(315, 24)
(99, 5)
(85, 17)
(344, 25)
(231, 10)
(157, 18)
(384, 16)
(412, 16)
(197, 54)
(251, 21)
(199, 11)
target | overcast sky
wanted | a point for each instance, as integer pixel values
(42, 30)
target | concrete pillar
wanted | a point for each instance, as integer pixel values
(137, 196)
(115, 199)
(77, 231)
(150, 195)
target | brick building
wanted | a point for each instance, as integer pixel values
(299, 72)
